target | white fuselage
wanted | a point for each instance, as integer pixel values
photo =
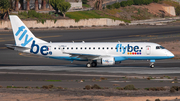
(119, 50)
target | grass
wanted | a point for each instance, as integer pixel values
(90, 14)
(86, 5)
(53, 80)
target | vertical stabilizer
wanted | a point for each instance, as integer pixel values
(22, 35)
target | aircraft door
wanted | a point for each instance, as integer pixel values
(148, 50)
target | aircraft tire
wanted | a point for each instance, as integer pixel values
(152, 66)
(88, 65)
(93, 64)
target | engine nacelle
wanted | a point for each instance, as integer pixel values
(107, 61)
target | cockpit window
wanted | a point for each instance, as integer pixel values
(160, 47)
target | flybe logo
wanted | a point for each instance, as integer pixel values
(44, 50)
(23, 35)
(131, 50)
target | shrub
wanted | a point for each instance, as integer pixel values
(129, 87)
(84, 1)
(116, 5)
(157, 100)
(109, 6)
(156, 1)
(123, 4)
(172, 90)
(156, 89)
(119, 88)
(130, 2)
(88, 87)
(95, 86)
(138, 2)
(175, 88)
(177, 10)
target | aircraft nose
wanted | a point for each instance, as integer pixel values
(170, 55)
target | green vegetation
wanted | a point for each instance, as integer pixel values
(55, 3)
(90, 14)
(4, 8)
(177, 10)
(41, 17)
(61, 5)
(53, 80)
(86, 5)
(84, 1)
(64, 7)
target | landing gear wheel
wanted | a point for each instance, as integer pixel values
(152, 65)
(93, 64)
(88, 65)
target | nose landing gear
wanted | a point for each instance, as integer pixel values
(152, 63)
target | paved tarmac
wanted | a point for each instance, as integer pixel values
(23, 70)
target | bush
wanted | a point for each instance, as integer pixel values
(123, 4)
(177, 10)
(156, 1)
(156, 89)
(116, 5)
(142, 2)
(130, 2)
(88, 87)
(109, 6)
(129, 87)
(84, 1)
(157, 100)
(138, 2)
(175, 88)
(172, 90)
(95, 86)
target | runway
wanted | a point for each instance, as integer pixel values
(124, 68)
(22, 70)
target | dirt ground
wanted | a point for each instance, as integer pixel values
(56, 97)
(84, 95)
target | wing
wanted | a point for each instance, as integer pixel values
(86, 56)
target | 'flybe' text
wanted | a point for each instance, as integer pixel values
(44, 50)
(26, 40)
(128, 48)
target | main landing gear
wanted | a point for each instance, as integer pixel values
(91, 64)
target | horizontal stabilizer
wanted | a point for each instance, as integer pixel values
(11, 46)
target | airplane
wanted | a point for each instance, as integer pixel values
(105, 53)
